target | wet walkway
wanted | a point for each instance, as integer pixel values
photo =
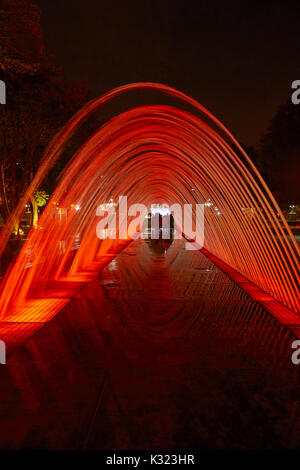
(162, 351)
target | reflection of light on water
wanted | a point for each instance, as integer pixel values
(113, 265)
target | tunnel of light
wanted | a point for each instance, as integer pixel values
(151, 154)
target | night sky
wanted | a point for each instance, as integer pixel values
(237, 58)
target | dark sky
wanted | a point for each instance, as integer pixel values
(237, 58)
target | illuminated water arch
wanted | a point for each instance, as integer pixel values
(154, 153)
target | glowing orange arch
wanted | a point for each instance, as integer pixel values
(156, 154)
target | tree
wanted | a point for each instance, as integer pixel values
(39, 102)
(21, 44)
(39, 199)
(280, 149)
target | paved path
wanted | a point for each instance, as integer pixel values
(161, 351)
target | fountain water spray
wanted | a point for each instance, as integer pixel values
(153, 153)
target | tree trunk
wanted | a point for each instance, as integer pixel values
(35, 214)
(16, 230)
